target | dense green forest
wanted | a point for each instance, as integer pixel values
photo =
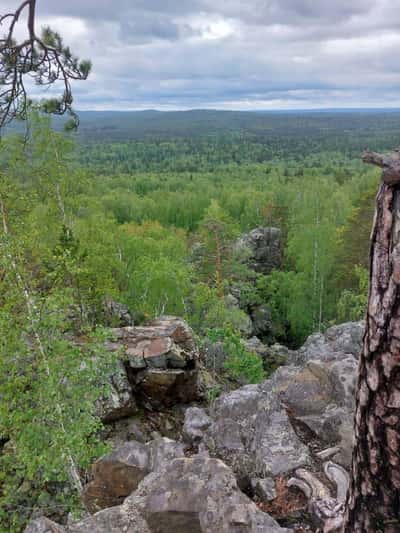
(148, 215)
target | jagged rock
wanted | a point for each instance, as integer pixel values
(43, 525)
(196, 422)
(261, 320)
(116, 475)
(334, 344)
(309, 390)
(252, 433)
(160, 358)
(113, 520)
(264, 488)
(262, 248)
(163, 451)
(199, 495)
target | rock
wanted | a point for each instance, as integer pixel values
(161, 360)
(116, 314)
(43, 525)
(214, 356)
(256, 346)
(116, 475)
(262, 248)
(196, 422)
(169, 386)
(334, 344)
(262, 322)
(252, 433)
(199, 495)
(113, 520)
(163, 451)
(264, 489)
(118, 400)
(276, 447)
(308, 391)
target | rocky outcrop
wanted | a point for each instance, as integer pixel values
(262, 249)
(199, 495)
(275, 427)
(157, 362)
(160, 359)
(295, 429)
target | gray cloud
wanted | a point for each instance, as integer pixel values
(231, 53)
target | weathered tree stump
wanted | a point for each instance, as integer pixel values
(373, 503)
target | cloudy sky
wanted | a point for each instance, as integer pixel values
(231, 54)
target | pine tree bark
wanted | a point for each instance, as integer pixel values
(373, 503)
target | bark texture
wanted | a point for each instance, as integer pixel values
(373, 504)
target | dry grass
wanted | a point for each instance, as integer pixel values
(288, 500)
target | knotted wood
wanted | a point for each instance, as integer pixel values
(373, 503)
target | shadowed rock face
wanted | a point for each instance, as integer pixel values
(262, 248)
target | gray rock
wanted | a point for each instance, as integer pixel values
(262, 249)
(276, 447)
(113, 520)
(162, 451)
(256, 346)
(264, 489)
(251, 432)
(43, 525)
(261, 320)
(334, 344)
(199, 495)
(196, 423)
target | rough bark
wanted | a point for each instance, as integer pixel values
(373, 503)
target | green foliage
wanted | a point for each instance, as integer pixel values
(240, 364)
(352, 303)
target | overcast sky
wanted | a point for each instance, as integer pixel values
(231, 54)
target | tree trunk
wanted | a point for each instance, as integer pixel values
(373, 504)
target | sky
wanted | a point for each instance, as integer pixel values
(231, 54)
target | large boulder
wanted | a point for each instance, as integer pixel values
(160, 360)
(118, 474)
(262, 249)
(333, 344)
(199, 495)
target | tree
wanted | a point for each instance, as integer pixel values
(217, 233)
(43, 57)
(374, 494)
